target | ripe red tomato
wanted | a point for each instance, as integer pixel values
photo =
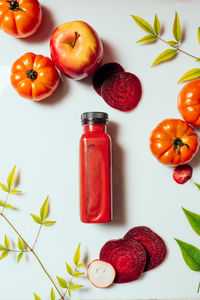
(174, 142)
(20, 18)
(189, 102)
(34, 76)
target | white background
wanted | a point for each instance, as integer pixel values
(42, 140)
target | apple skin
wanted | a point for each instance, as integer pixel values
(78, 60)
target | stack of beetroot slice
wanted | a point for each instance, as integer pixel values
(121, 90)
(140, 250)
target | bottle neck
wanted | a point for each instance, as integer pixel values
(95, 127)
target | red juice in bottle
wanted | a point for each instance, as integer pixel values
(95, 169)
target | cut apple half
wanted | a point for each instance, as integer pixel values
(101, 273)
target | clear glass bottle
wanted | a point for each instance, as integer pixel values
(95, 169)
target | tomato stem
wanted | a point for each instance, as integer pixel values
(32, 74)
(178, 143)
(14, 5)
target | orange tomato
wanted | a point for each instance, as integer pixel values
(189, 102)
(174, 142)
(20, 18)
(34, 76)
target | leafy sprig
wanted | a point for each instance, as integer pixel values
(154, 34)
(23, 246)
(190, 253)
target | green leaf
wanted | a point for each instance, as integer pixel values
(191, 255)
(44, 209)
(15, 191)
(77, 255)
(53, 296)
(78, 274)
(48, 223)
(62, 282)
(6, 242)
(20, 255)
(36, 219)
(69, 292)
(36, 297)
(143, 24)
(9, 206)
(194, 220)
(4, 254)
(75, 287)
(147, 39)
(21, 245)
(197, 185)
(11, 178)
(4, 187)
(165, 55)
(198, 34)
(192, 74)
(177, 28)
(198, 59)
(69, 269)
(172, 43)
(2, 248)
(80, 265)
(156, 25)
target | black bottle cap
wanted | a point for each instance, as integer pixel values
(94, 118)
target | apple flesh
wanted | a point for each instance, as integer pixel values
(76, 49)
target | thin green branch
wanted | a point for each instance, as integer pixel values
(8, 193)
(37, 236)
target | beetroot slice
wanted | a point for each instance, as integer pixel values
(182, 174)
(103, 73)
(153, 244)
(128, 257)
(122, 91)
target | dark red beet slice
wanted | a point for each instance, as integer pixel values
(122, 91)
(182, 174)
(103, 73)
(128, 257)
(153, 244)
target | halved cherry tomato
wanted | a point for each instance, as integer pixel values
(189, 102)
(20, 18)
(174, 142)
(34, 76)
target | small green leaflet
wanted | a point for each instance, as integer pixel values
(177, 28)
(194, 220)
(165, 55)
(52, 295)
(77, 255)
(198, 34)
(6, 242)
(197, 185)
(20, 255)
(198, 288)
(147, 39)
(143, 24)
(4, 187)
(9, 206)
(48, 223)
(172, 43)
(75, 287)
(2, 248)
(21, 245)
(62, 282)
(15, 191)
(69, 292)
(4, 254)
(80, 265)
(192, 74)
(78, 274)
(69, 269)
(36, 297)
(11, 178)
(191, 255)
(44, 209)
(36, 219)
(156, 25)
